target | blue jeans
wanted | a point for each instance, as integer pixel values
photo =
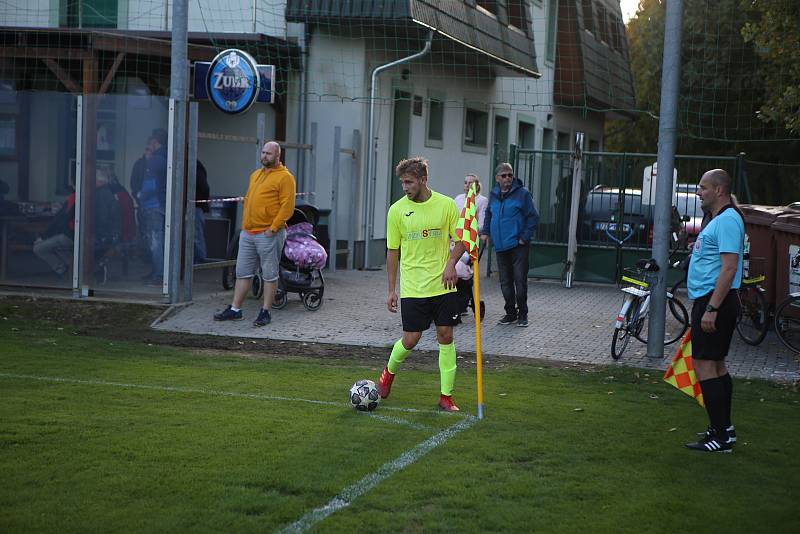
(512, 267)
(199, 236)
(154, 237)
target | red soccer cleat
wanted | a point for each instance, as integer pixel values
(446, 403)
(385, 383)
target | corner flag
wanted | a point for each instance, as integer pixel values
(681, 372)
(467, 233)
(467, 226)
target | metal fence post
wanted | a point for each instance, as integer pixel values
(337, 148)
(572, 237)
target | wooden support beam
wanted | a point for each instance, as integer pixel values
(111, 73)
(62, 75)
(59, 53)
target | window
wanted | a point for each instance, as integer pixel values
(562, 141)
(620, 35)
(476, 125)
(88, 14)
(516, 14)
(588, 16)
(615, 43)
(435, 128)
(416, 107)
(602, 24)
(552, 27)
(488, 5)
(526, 135)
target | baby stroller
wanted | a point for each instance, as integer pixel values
(464, 287)
(302, 261)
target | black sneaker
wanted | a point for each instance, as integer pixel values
(712, 443)
(730, 430)
(263, 318)
(228, 315)
(522, 321)
(508, 319)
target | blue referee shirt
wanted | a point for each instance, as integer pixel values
(724, 234)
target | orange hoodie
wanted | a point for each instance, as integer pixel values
(270, 200)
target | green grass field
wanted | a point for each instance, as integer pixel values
(99, 435)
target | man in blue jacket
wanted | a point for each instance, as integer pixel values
(152, 198)
(510, 220)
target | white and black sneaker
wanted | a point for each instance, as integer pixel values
(712, 443)
(730, 431)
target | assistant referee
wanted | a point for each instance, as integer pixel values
(715, 274)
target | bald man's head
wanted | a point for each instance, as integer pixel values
(271, 155)
(721, 179)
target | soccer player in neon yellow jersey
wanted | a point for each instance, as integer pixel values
(419, 229)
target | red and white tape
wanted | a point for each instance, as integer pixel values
(239, 199)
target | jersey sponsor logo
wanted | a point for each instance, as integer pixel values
(408, 214)
(427, 233)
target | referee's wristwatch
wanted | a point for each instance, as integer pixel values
(710, 308)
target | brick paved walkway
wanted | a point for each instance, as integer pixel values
(570, 325)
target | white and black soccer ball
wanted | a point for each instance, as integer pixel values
(364, 396)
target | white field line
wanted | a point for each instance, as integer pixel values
(351, 493)
(233, 394)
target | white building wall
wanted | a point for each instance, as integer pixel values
(230, 163)
(213, 16)
(28, 13)
(336, 78)
(338, 95)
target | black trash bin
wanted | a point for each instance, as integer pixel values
(220, 227)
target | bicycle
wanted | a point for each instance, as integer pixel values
(787, 322)
(753, 319)
(632, 319)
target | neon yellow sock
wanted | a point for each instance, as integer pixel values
(399, 353)
(447, 367)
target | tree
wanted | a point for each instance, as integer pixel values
(722, 90)
(775, 32)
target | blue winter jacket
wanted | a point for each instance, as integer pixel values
(510, 217)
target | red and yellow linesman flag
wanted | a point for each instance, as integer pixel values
(467, 227)
(681, 372)
(467, 232)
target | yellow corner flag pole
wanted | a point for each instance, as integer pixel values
(476, 296)
(467, 233)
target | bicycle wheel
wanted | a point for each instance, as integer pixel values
(675, 325)
(752, 324)
(787, 322)
(678, 287)
(619, 342)
(229, 272)
(623, 335)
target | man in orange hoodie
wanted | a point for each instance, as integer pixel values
(267, 206)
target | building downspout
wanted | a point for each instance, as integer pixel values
(372, 153)
(301, 115)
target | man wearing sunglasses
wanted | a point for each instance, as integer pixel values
(510, 220)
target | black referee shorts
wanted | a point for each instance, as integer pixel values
(714, 345)
(417, 313)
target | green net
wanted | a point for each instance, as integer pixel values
(740, 59)
(740, 68)
(464, 83)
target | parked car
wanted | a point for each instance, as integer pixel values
(604, 223)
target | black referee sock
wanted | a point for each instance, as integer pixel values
(727, 382)
(715, 399)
